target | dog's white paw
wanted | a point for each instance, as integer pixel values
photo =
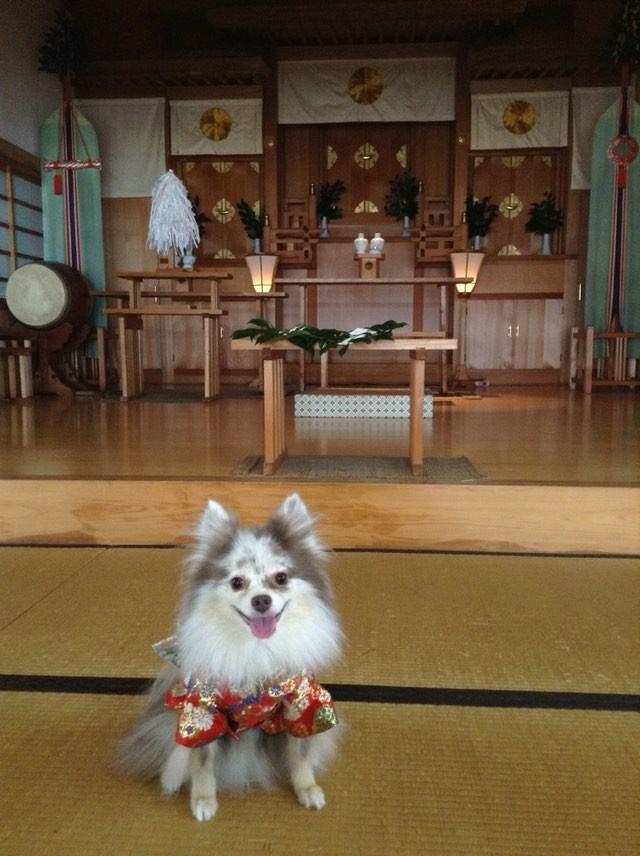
(204, 808)
(174, 771)
(311, 797)
(171, 780)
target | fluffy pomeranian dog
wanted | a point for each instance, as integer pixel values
(237, 705)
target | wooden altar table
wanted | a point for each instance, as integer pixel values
(308, 303)
(130, 324)
(275, 449)
(131, 309)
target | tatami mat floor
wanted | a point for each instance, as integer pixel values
(497, 622)
(410, 779)
(416, 781)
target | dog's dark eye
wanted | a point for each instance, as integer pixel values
(281, 579)
(237, 583)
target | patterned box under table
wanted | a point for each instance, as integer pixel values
(358, 406)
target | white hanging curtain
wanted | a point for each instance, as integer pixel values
(217, 127)
(588, 105)
(519, 120)
(131, 139)
(366, 90)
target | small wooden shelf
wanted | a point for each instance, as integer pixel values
(490, 259)
(516, 295)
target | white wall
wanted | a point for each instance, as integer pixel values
(27, 95)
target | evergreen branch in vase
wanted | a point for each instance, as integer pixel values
(402, 199)
(253, 223)
(480, 215)
(544, 217)
(328, 195)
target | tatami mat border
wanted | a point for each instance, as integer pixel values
(453, 697)
(372, 549)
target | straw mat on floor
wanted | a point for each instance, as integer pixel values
(409, 780)
(434, 620)
(359, 468)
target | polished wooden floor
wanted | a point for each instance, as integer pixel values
(560, 472)
(547, 435)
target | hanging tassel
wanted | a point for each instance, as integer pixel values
(172, 222)
(57, 185)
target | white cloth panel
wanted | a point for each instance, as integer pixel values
(414, 90)
(549, 130)
(131, 142)
(588, 105)
(244, 137)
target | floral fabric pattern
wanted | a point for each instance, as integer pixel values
(296, 705)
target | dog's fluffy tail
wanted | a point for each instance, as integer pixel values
(143, 752)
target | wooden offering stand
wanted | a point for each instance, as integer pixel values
(369, 264)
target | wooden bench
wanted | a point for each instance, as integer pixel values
(16, 370)
(272, 353)
(612, 369)
(179, 303)
(130, 353)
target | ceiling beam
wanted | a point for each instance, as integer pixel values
(254, 16)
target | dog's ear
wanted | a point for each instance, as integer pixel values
(216, 526)
(292, 523)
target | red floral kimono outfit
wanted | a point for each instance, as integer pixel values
(297, 705)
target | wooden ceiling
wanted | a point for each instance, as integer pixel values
(150, 45)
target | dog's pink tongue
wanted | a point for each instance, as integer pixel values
(264, 626)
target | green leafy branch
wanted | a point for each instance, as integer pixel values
(480, 215)
(402, 198)
(252, 222)
(63, 52)
(314, 339)
(328, 195)
(544, 217)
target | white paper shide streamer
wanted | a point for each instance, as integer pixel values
(172, 222)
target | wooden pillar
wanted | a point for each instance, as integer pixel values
(588, 360)
(461, 139)
(15, 369)
(25, 370)
(167, 132)
(270, 141)
(416, 412)
(129, 354)
(274, 416)
(102, 358)
(211, 332)
(324, 370)
(418, 307)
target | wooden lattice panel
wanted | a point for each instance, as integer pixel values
(435, 243)
(296, 247)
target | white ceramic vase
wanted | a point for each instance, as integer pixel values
(475, 243)
(361, 244)
(406, 226)
(324, 227)
(545, 246)
(188, 261)
(257, 245)
(376, 245)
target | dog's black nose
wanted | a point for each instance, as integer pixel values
(261, 602)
